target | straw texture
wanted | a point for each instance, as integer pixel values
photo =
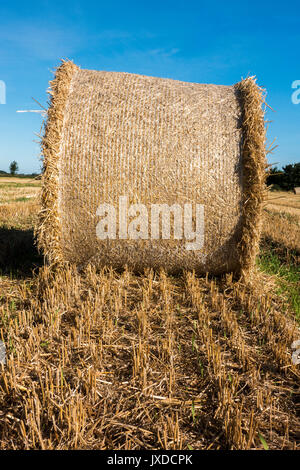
(155, 141)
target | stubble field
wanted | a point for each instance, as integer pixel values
(110, 360)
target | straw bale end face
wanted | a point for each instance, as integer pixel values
(151, 172)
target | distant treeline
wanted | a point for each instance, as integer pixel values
(19, 175)
(288, 178)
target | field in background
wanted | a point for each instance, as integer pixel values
(13, 190)
(113, 360)
(283, 201)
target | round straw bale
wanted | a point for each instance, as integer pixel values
(152, 172)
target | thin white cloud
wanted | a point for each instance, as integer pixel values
(164, 52)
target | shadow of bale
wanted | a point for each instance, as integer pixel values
(18, 253)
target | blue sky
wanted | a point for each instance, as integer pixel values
(206, 42)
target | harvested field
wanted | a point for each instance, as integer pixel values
(284, 202)
(113, 360)
(18, 180)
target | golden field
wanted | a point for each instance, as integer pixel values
(113, 360)
(283, 201)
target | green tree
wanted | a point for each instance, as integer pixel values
(275, 177)
(13, 167)
(291, 176)
(288, 178)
